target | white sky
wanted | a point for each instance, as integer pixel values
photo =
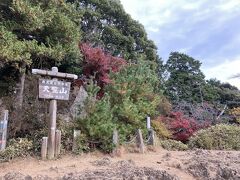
(207, 30)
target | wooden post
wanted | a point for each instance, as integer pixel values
(52, 128)
(115, 137)
(58, 143)
(140, 142)
(3, 131)
(52, 124)
(76, 134)
(115, 141)
(151, 137)
(44, 148)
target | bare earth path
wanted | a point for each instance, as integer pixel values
(161, 164)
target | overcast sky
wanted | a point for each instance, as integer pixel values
(208, 30)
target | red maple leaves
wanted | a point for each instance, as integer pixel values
(98, 64)
(182, 127)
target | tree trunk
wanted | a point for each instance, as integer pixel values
(20, 88)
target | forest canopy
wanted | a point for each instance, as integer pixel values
(118, 66)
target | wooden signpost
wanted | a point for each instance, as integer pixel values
(53, 89)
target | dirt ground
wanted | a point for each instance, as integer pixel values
(155, 164)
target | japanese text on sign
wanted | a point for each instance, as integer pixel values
(54, 89)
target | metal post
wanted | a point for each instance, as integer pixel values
(148, 123)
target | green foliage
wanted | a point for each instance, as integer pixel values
(161, 129)
(219, 137)
(173, 145)
(133, 96)
(20, 147)
(106, 24)
(236, 113)
(127, 101)
(82, 144)
(34, 33)
(185, 78)
(223, 92)
(98, 125)
(66, 129)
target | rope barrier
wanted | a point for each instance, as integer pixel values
(131, 141)
(149, 137)
(95, 142)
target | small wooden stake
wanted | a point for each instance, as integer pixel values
(115, 137)
(115, 140)
(151, 137)
(58, 143)
(140, 142)
(44, 148)
(76, 134)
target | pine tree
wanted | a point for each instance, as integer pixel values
(185, 79)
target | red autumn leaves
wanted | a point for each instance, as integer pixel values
(98, 64)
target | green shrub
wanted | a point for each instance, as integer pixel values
(98, 125)
(127, 101)
(20, 147)
(217, 137)
(173, 145)
(161, 129)
(81, 144)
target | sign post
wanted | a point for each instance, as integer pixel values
(54, 90)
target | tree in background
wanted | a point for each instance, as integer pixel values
(106, 24)
(38, 34)
(226, 92)
(34, 34)
(185, 79)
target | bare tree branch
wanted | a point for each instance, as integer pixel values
(235, 76)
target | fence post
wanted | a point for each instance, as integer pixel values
(44, 148)
(58, 143)
(140, 142)
(3, 131)
(76, 134)
(115, 137)
(115, 141)
(151, 137)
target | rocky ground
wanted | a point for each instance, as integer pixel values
(158, 164)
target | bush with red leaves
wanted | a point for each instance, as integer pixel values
(98, 64)
(182, 127)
